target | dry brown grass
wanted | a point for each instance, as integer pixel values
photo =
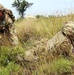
(41, 27)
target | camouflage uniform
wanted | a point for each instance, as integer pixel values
(62, 42)
(8, 22)
(68, 31)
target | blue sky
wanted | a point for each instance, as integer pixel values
(44, 7)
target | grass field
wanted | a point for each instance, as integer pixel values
(29, 31)
(42, 27)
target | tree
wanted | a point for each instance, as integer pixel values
(21, 6)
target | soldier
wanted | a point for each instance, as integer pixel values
(7, 19)
(63, 41)
(68, 31)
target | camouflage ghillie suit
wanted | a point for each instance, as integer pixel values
(68, 31)
(63, 41)
(7, 20)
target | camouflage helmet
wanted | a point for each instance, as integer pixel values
(1, 7)
(68, 28)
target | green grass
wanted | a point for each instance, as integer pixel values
(61, 65)
(10, 69)
(58, 66)
(8, 60)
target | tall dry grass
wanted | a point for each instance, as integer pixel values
(29, 30)
(41, 27)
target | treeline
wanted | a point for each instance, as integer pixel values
(55, 16)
